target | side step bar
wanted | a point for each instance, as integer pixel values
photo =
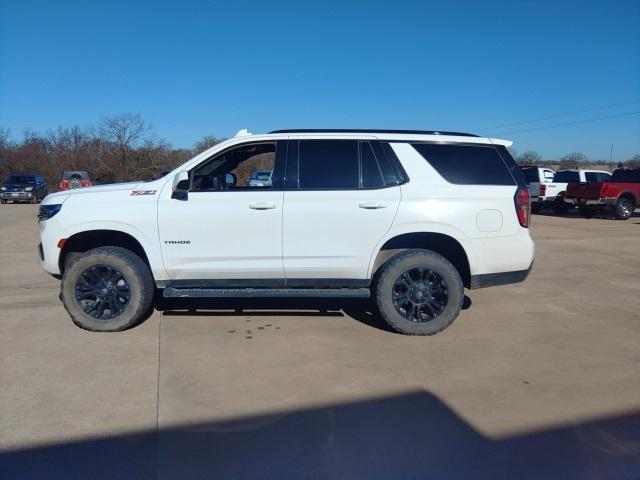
(173, 292)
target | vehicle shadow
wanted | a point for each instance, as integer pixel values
(361, 310)
(412, 435)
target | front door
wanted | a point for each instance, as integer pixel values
(230, 224)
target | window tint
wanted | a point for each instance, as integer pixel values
(371, 175)
(466, 165)
(566, 177)
(328, 164)
(626, 175)
(247, 167)
(604, 177)
(393, 175)
(530, 174)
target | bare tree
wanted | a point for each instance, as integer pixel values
(529, 158)
(633, 162)
(122, 136)
(205, 143)
(573, 160)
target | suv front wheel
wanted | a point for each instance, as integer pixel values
(419, 292)
(107, 289)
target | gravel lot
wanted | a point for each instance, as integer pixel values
(536, 380)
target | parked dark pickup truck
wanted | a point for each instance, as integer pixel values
(619, 195)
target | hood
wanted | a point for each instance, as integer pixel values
(60, 197)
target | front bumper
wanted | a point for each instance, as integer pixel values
(16, 195)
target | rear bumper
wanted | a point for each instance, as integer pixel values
(502, 278)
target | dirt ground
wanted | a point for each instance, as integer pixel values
(535, 380)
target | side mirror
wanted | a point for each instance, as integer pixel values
(181, 186)
(230, 179)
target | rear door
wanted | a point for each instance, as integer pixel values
(340, 200)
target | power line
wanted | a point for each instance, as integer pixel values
(570, 123)
(551, 117)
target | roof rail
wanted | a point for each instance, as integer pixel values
(373, 130)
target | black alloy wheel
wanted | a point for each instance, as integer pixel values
(420, 295)
(102, 291)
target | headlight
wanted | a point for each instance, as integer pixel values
(48, 211)
(28, 189)
(3, 188)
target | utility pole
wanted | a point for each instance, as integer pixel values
(611, 154)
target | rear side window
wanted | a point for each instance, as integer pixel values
(328, 164)
(466, 164)
(531, 174)
(566, 177)
(371, 174)
(596, 177)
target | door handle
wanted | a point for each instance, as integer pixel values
(262, 206)
(372, 205)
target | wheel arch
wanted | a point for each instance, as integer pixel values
(443, 244)
(630, 195)
(89, 239)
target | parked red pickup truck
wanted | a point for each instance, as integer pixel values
(619, 195)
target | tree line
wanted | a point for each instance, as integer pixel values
(118, 148)
(572, 160)
(124, 147)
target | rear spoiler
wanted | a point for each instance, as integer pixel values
(499, 141)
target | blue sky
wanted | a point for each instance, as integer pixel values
(210, 68)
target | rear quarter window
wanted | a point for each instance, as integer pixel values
(467, 164)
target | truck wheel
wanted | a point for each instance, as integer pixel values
(560, 207)
(107, 289)
(586, 212)
(624, 208)
(419, 292)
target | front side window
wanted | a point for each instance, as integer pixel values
(328, 165)
(247, 167)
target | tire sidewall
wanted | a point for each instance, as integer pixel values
(130, 267)
(419, 259)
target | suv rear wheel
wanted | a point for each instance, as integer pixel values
(419, 292)
(107, 289)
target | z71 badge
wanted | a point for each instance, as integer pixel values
(143, 192)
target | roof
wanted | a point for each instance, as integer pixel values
(373, 130)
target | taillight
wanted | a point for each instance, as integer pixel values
(543, 189)
(64, 185)
(86, 183)
(523, 206)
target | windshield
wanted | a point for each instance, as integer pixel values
(21, 179)
(531, 174)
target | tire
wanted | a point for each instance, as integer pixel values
(586, 212)
(3, 202)
(34, 200)
(390, 284)
(89, 271)
(560, 207)
(624, 208)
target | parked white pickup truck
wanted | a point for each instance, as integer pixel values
(537, 179)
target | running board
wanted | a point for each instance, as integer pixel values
(173, 292)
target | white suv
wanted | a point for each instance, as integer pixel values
(407, 217)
